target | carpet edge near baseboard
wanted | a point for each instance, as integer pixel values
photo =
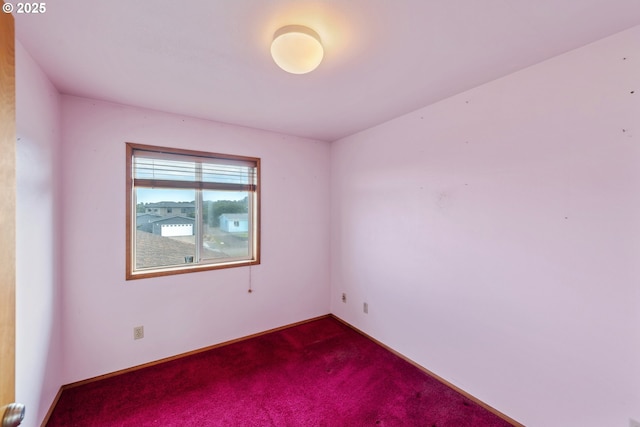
(225, 343)
(433, 375)
(169, 359)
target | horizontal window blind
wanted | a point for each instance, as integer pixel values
(171, 170)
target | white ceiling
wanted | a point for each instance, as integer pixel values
(383, 58)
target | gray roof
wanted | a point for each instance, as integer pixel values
(148, 215)
(156, 251)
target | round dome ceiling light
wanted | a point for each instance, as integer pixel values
(297, 49)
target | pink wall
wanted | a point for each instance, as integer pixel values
(38, 346)
(183, 312)
(495, 237)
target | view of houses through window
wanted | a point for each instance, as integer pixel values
(171, 225)
(212, 223)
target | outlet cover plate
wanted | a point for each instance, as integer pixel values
(138, 332)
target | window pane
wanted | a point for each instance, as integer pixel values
(190, 211)
(226, 222)
(165, 227)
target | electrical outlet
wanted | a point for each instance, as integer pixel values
(138, 332)
(365, 308)
(344, 298)
(633, 423)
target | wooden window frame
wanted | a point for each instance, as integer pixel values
(131, 272)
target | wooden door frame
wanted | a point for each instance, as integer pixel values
(7, 209)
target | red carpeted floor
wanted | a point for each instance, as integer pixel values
(320, 373)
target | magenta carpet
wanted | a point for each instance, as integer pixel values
(321, 373)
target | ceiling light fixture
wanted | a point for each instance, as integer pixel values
(297, 49)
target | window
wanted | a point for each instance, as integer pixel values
(190, 211)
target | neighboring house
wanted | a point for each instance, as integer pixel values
(170, 208)
(234, 222)
(143, 219)
(176, 225)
